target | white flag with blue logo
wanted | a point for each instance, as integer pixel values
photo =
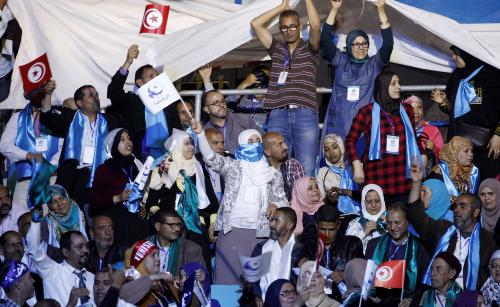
(371, 267)
(255, 267)
(158, 93)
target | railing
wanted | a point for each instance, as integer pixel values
(320, 90)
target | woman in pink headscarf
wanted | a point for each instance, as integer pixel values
(306, 200)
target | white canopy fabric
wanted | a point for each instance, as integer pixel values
(86, 40)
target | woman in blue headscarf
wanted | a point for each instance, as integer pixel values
(355, 70)
(436, 200)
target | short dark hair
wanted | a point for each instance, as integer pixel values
(327, 213)
(205, 95)
(476, 202)
(65, 241)
(289, 214)
(79, 94)
(101, 215)
(4, 236)
(289, 13)
(48, 302)
(162, 214)
(397, 206)
(140, 72)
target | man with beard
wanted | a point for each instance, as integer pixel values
(276, 153)
(103, 250)
(229, 123)
(399, 244)
(67, 280)
(84, 132)
(283, 247)
(8, 214)
(471, 244)
(25, 141)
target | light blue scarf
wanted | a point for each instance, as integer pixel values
(346, 204)
(412, 150)
(156, 133)
(450, 186)
(75, 137)
(25, 139)
(472, 256)
(250, 152)
(465, 95)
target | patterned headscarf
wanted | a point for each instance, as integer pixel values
(449, 154)
(334, 138)
(491, 288)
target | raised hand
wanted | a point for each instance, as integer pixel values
(196, 126)
(336, 4)
(438, 96)
(205, 72)
(416, 172)
(49, 87)
(380, 4)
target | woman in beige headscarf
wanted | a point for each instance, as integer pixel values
(310, 286)
(455, 167)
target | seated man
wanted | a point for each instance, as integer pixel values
(444, 289)
(339, 248)
(9, 214)
(148, 131)
(103, 250)
(285, 250)
(174, 250)
(399, 244)
(107, 285)
(17, 283)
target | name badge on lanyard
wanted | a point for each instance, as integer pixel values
(41, 144)
(392, 140)
(352, 93)
(88, 154)
(286, 66)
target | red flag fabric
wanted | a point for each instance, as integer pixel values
(390, 274)
(320, 248)
(155, 19)
(35, 73)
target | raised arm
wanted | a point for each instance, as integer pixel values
(328, 48)
(56, 122)
(384, 21)
(259, 24)
(315, 25)
(115, 92)
(386, 32)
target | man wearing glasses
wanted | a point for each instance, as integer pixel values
(229, 123)
(291, 93)
(174, 250)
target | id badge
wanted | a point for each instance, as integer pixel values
(352, 93)
(282, 78)
(88, 155)
(392, 145)
(41, 144)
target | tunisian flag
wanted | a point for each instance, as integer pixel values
(390, 274)
(155, 19)
(35, 73)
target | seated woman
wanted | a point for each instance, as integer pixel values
(312, 283)
(456, 169)
(335, 178)
(491, 287)
(179, 184)
(108, 192)
(281, 293)
(306, 200)
(436, 200)
(148, 287)
(489, 193)
(372, 222)
(428, 135)
(63, 215)
(253, 191)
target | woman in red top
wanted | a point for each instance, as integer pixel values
(390, 140)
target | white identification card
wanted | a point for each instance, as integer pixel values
(41, 144)
(392, 145)
(282, 78)
(88, 155)
(352, 93)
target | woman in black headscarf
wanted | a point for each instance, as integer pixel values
(109, 189)
(471, 100)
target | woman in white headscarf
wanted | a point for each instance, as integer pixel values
(371, 224)
(253, 190)
(491, 288)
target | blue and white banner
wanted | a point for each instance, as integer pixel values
(158, 93)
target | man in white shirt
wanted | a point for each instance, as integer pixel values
(8, 214)
(69, 278)
(285, 251)
(26, 141)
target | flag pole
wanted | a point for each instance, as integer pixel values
(403, 283)
(360, 300)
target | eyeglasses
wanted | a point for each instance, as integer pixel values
(172, 225)
(360, 46)
(286, 293)
(494, 266)
(292, 28)
(219, 103)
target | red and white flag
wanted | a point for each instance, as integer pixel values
(320, 248)
(390, 274)
(155, 19)
(35, 73)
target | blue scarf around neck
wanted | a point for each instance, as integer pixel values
(250, 152)
(450, 186)
(466, 94)
(346, 204)
(156, 133)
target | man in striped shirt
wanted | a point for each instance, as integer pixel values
(291, 92)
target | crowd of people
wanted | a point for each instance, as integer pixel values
(132, 208)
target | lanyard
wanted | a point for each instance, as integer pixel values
(395, 251)
(99, 265)
(390, 122)
(165, 262)
(92, 129)
(127, 174)
(286, 61)
(438, 299)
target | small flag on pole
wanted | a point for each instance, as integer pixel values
(390, 274)
(158, 93)
(35, 73)
(155, 19)
(371, 266)
(255, 267)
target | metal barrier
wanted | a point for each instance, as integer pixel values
(320, 90)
